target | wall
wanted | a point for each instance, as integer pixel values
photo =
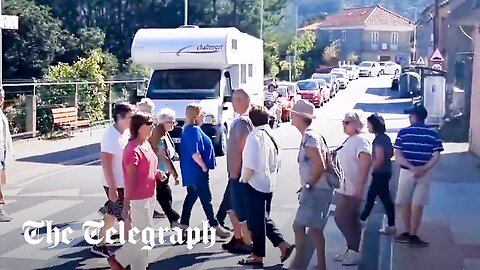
(348, 46)
(475, 101)
(403, 47)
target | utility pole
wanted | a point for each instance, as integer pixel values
(6, 22)
(185, 19)
(436, 25)
(261, 18)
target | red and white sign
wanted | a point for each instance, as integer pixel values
(437, 57)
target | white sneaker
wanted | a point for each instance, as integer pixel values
(4, 217)
(341, 257)
(352, 258)
(388, 230)
(221, 232)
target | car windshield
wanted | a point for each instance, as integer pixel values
(326, 77)
(307, 85)
(348, 68)
(338, 70)
(339, 75)
(366, 64)
(184, 84)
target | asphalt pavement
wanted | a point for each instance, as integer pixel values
(70, 194)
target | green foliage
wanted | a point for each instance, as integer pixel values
(301, 45)
(271, 55)
(353, 57)
(331, 54)
(91, 98)
(136, 71)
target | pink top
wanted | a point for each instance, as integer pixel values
(146, 163)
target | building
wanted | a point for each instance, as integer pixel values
(373, 33)
(465, 16)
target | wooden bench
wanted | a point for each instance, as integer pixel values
(67, 118)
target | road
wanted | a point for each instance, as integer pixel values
(73, 195)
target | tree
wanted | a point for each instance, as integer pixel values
(91, 98)
(331, 54)
(301, 45)
(31, 49)
(271, 57)
(353, 57)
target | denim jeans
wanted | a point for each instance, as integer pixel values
(201, 189)
(259, 222)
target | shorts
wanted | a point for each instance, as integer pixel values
(238, 199)
(314, 208)
(114, 208)
(412, 190)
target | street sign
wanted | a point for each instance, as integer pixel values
(437, 66)
(421, 62)
(437, 57)
(8, 22)
(291, 59)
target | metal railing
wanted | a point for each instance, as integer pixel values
(27, 103)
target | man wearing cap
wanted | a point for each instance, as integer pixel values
(417, 150)
(316, 194)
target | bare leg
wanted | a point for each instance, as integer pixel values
(2, 201)
(247, 237)
(416, 218)
(406, 215)
(319, 243)
(301, 243)
(237, 228)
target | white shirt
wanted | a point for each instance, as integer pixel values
(348, 157)
(270, 96)
(260, 155)
(114, 143)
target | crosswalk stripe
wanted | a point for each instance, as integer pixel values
(35, 213)
(54, 193)
(42, 250)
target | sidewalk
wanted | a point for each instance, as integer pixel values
(452, 219)
(36, 157)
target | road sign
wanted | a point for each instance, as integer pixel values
(437, 66)
(8, 22)
(291, 59)
(421, 62)
(437, 57)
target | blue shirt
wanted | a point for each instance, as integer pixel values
(194, 140)
(418, 143)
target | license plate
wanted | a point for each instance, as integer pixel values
(176, 140)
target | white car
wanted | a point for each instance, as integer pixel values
(390, 68)
(353, 71)
(342, 78)
(370, 68)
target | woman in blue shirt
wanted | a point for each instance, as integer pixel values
(196, 159)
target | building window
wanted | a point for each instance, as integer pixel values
(330, 36)
(374, 37)
(394, 38)
(344, 35)
(243, 73)
(250, 70)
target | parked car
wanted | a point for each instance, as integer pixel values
(369, 69)
(312, 91)
(409, 84)
(288, 96)
(342, 78)
(327, 91)
(329, 79)
(353, 71)
(390, 68)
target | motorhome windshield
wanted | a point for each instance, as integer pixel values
(184, 84)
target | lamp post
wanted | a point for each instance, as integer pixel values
(261, 18)
(185, 18)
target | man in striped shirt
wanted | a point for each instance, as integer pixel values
(417, 150)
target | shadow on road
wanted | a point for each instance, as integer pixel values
(396, 108)
(383, 92)
(66, 156)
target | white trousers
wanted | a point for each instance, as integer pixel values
(141, 212)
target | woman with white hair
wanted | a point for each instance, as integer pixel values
(146, 105)
(163, 146)
(354, 156)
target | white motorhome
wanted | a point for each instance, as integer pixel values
(203, 66)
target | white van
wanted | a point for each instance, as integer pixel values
(204, 66)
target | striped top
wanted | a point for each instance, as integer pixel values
(418, 143)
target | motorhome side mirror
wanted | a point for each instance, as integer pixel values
(225, 108)
(227, 99)
(226, 74)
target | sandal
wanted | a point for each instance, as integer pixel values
(250, 261)
(288, 252)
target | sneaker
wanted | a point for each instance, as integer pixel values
(415, 241)
(221, 232)
(157, 214)
(340, 257)
(403, 238)
(388, 230)
(4, 217)
(352, 258)
(101, 251)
